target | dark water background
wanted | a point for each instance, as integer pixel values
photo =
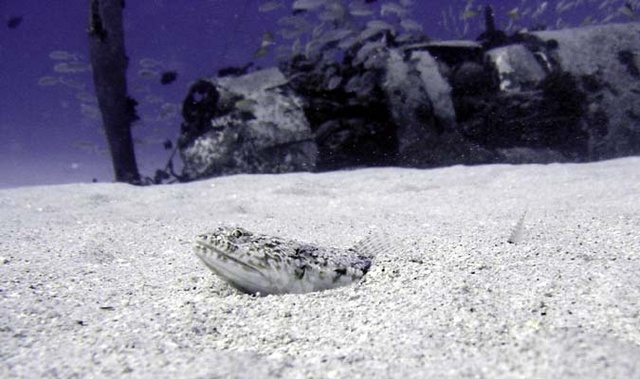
(49, 128)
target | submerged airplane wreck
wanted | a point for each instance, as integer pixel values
(570, 95)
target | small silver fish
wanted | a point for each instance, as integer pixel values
(261, 264)
(269, 6)
(391, 8)
(266, 41)
(60, 55)
(48, 81)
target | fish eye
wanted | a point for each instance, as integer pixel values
(237, 233)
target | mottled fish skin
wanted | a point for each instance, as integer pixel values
(260, 264)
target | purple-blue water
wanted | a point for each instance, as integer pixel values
(49, 125)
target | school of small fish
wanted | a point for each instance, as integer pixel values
(70, 69)
(460, 19)
(464, 17)
(324, 28)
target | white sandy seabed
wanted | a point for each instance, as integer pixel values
(99, 280)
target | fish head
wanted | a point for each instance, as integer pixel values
(229, 252)
(252, 263)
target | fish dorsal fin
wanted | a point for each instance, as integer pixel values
(517, 234)
(375, 244)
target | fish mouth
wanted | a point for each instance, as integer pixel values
(209, 248)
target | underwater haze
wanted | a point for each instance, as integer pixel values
(49, 119)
